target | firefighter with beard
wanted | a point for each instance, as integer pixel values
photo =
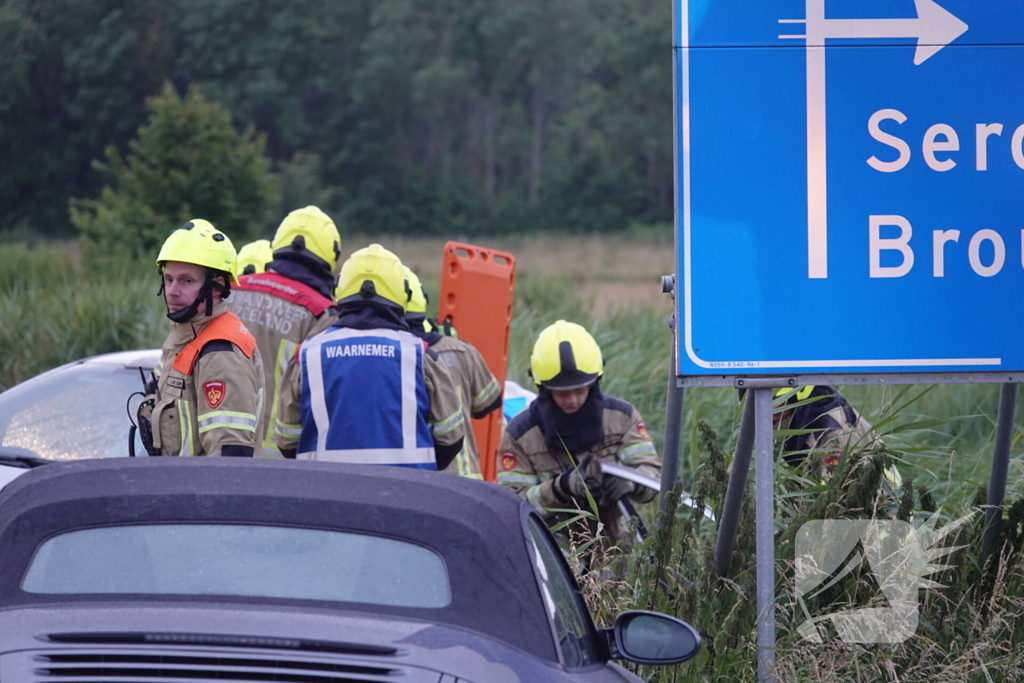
(549, 453)
(478, 389)
(291, 301)
(206, 400)
(367, 390)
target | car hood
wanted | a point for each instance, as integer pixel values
(147, 641)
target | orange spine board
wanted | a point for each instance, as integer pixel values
(477, 287)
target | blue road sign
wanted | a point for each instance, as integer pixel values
(850, 186)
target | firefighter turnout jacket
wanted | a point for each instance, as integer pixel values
(281, 313)
(210, 388)
(834, 427)
(372, 395)
(532, 454)
(478, 391)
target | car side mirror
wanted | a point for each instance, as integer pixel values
(651, 638)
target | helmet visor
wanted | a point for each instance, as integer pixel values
(566, 381)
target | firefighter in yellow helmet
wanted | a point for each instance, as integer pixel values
(478, 389)
(550, 452)
(367, 390)
(288, 303)
(829, 426)
(207, 398)
(254, 257)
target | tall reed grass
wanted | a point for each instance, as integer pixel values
(54, 311)
(970, 630)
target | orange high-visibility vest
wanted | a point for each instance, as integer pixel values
(224, 327)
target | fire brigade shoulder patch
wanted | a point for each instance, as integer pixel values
(214, 391)
(642, 428)
(508, 460)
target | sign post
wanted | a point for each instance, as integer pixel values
(764, 533)
(849, 203)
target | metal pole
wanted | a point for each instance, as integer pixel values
(673, 428)
(737, 488)
(765, 492)
(1000, 465)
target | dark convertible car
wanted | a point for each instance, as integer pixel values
(213, 569)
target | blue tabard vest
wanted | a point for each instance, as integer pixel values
(364, 399)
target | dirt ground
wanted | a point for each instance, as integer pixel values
(611, 272)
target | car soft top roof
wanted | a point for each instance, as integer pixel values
(475, 526)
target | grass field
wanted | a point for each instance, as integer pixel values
(54, 309)
(605, 273)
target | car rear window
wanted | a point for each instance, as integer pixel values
(239, 560)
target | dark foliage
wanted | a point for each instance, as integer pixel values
(425, 116)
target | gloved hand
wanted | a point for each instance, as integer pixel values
(613, 489)
(573, 484)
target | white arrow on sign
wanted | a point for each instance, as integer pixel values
(934, 28)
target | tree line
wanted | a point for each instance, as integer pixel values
(453, 117)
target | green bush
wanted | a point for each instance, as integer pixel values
(188, 161)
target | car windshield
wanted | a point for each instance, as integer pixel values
(74, 414)
(239, 560)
